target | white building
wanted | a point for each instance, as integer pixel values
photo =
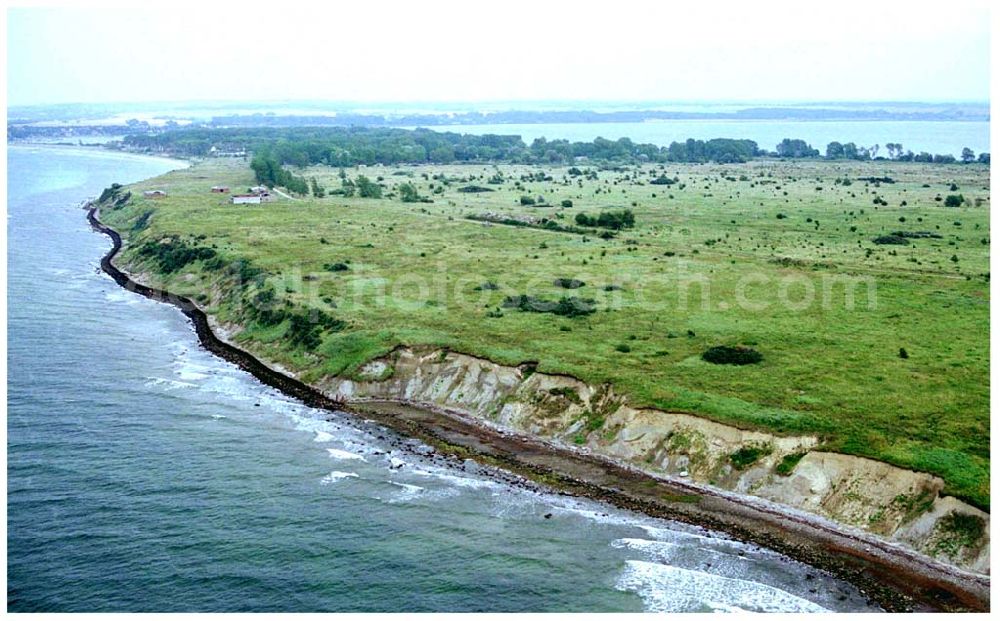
(246, 199)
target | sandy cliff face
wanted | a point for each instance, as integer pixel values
(897, 504)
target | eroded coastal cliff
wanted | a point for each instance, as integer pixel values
(897, 504)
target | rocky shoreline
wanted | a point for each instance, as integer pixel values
(896, 578)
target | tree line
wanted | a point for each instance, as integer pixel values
(274, 147)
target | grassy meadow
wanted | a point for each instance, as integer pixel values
(762, 254)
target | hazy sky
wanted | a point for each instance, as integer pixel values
(507, 50)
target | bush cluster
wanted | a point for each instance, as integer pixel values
(171, 254)
(565, 306)
(725, 354)
(615, 220)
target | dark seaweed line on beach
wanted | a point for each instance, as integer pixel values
(885, 572)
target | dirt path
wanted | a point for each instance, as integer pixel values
(282, 194)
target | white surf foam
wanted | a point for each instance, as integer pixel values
(168, 384)
(322, 436)
(187, 375)
(337, 475)
(664, 588)
(455, 479)
(407, 493)
(339, 454)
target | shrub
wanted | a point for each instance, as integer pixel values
(903, 353)
(917, 234)
(623, 348)
(305, 328)
(892, 240)
(747, 456)
(474, 189)
(568, 283)
(408, 193)
(614, 220)
(368, 188)
(336, 267)
(566, 306)
(489, 285)
(110, 192)
(122, 200)
(725, 354)
(172, 254)
(788, 463)
(527, 200)
(959, 530)
(142, 221)
(574, 307)
(954, 200)
(566, 203)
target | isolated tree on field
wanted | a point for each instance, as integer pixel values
(968, 155)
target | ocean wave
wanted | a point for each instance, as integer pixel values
(340, 454)
(168, 384)
(337, 475)
(455, 479)
(408, 492)
(664, 588)
(666, 543)
(188, 375)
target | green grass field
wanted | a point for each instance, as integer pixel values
(759, 254)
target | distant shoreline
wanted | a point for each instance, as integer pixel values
(100, 149)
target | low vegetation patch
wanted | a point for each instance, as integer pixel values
(663, 180)
(566, 393)
(891, 240)
(565, 306)
(614, 220)
(917, 234)
(959, 530)
(747, 456)
(474, 189)
(726, 354)
(568, 283)
(788, 463)
(172, 254)
(544, 224)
